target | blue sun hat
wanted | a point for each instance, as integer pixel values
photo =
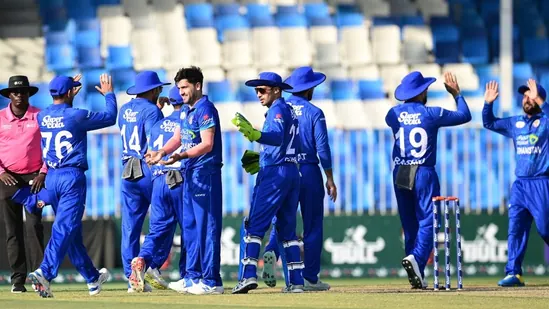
(412, 85)
(31, 200)
(175, 97)
(541, 91)
(270, 79)
(303, 78)
(145, 81)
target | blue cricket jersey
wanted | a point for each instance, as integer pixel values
(530, 136)
(279, 137)
(161, 133)
(135, 120)
(415, 127)
(63, 129)
(202, 116)
(313, 133)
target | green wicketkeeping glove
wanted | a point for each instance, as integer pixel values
(246, 128)
(251, 168)
(249, 157)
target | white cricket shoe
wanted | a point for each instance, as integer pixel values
(41, 284)
(318, 286)
(293, 289)
(269, 264)
(414, 275)
(146, 289)
(203, 289)
(154, 278)
(95, 287)
(137, 277)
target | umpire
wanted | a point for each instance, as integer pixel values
(20, 162)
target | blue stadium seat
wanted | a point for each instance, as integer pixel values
(535, 50)
(88, 24)
(446, 52)
(229, 22)
(57, 37)
(89, 57)
(107, 2)
(385, 20)
(322, 92)
(82, 11)
(119, 57)
(90, 79)
(316, 10)
(223, 9)
(321, 21)
(219, 92)
(343, 89)
(288, 16)
(87, 38)
(259, 15)
(349, 20)
(123, 79)
(95, 101)
(371, 89)
(246, 94)
(412, 20)
(475, 50)
(199, 15)
(60, 57)
(445, 33)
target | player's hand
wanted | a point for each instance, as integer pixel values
(173, 158)
(246, 128)
(76, 90)
(451, 84)
(38, 183)
(331, 189)
(533, 93)
(153, 157)
(162, 101)
(105, 84)
(8, 179)
(491, 93)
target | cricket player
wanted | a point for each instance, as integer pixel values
(276, 191)
(136, 120)
(313, 135)
(64, 149)
(529, 198)
(199, 135)
(166, 205)
(415, 127)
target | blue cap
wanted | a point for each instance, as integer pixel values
(412, 85)
(60, 85)
(541, 91)
(30, 200)
(175, 97)
(145, 81)
(270, 79)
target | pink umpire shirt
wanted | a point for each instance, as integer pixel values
(20, 149)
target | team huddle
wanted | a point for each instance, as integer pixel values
(172, 165)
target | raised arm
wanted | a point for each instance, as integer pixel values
(446, 118)
(489, 121)
(98, 120)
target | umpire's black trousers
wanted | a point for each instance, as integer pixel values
(21, 235)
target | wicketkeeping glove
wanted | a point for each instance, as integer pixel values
(250, 162)
(246, 128)
(251, 168)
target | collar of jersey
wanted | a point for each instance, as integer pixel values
(199, 102)
(534, 117)
(277, 101)
(142, 99)
(297, 99)
(60, 106)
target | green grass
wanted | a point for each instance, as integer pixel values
(359, 293)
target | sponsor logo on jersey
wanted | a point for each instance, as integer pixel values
(52, 122)
(130, 116)
(409, 119)
(169, 126)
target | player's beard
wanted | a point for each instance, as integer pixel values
(531, 108)
(424, 101)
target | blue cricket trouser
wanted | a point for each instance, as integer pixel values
(136, 198)
(276, 193)
(529, 201)
(166, 212)
(415, 208)
(67, 187)
(311, 201)
(202, 225)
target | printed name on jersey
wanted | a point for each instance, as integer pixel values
(53, 122)
(130, 116)
(301, 156)
(525, 144)
(187, 146)
(399, 161)
(169, 126)
(520, 124)
(409, 119)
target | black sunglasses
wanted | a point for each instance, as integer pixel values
(261, 90)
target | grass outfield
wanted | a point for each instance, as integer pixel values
(358, 293)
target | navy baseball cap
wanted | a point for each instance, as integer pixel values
(541, 91)
(175, 97)
(60, 85)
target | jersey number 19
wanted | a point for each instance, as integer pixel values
(414, 142)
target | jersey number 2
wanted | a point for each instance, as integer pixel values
(294, 130)
(412, 138)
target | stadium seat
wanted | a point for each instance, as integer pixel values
(60, 57)
(446, 52)
(355, 44)
(89, 57)
(119, 57)
(475, 50)
(262, 37)
(368, 72)
(327, 55)
(371, 89)
(220, 91)
(536, 50)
